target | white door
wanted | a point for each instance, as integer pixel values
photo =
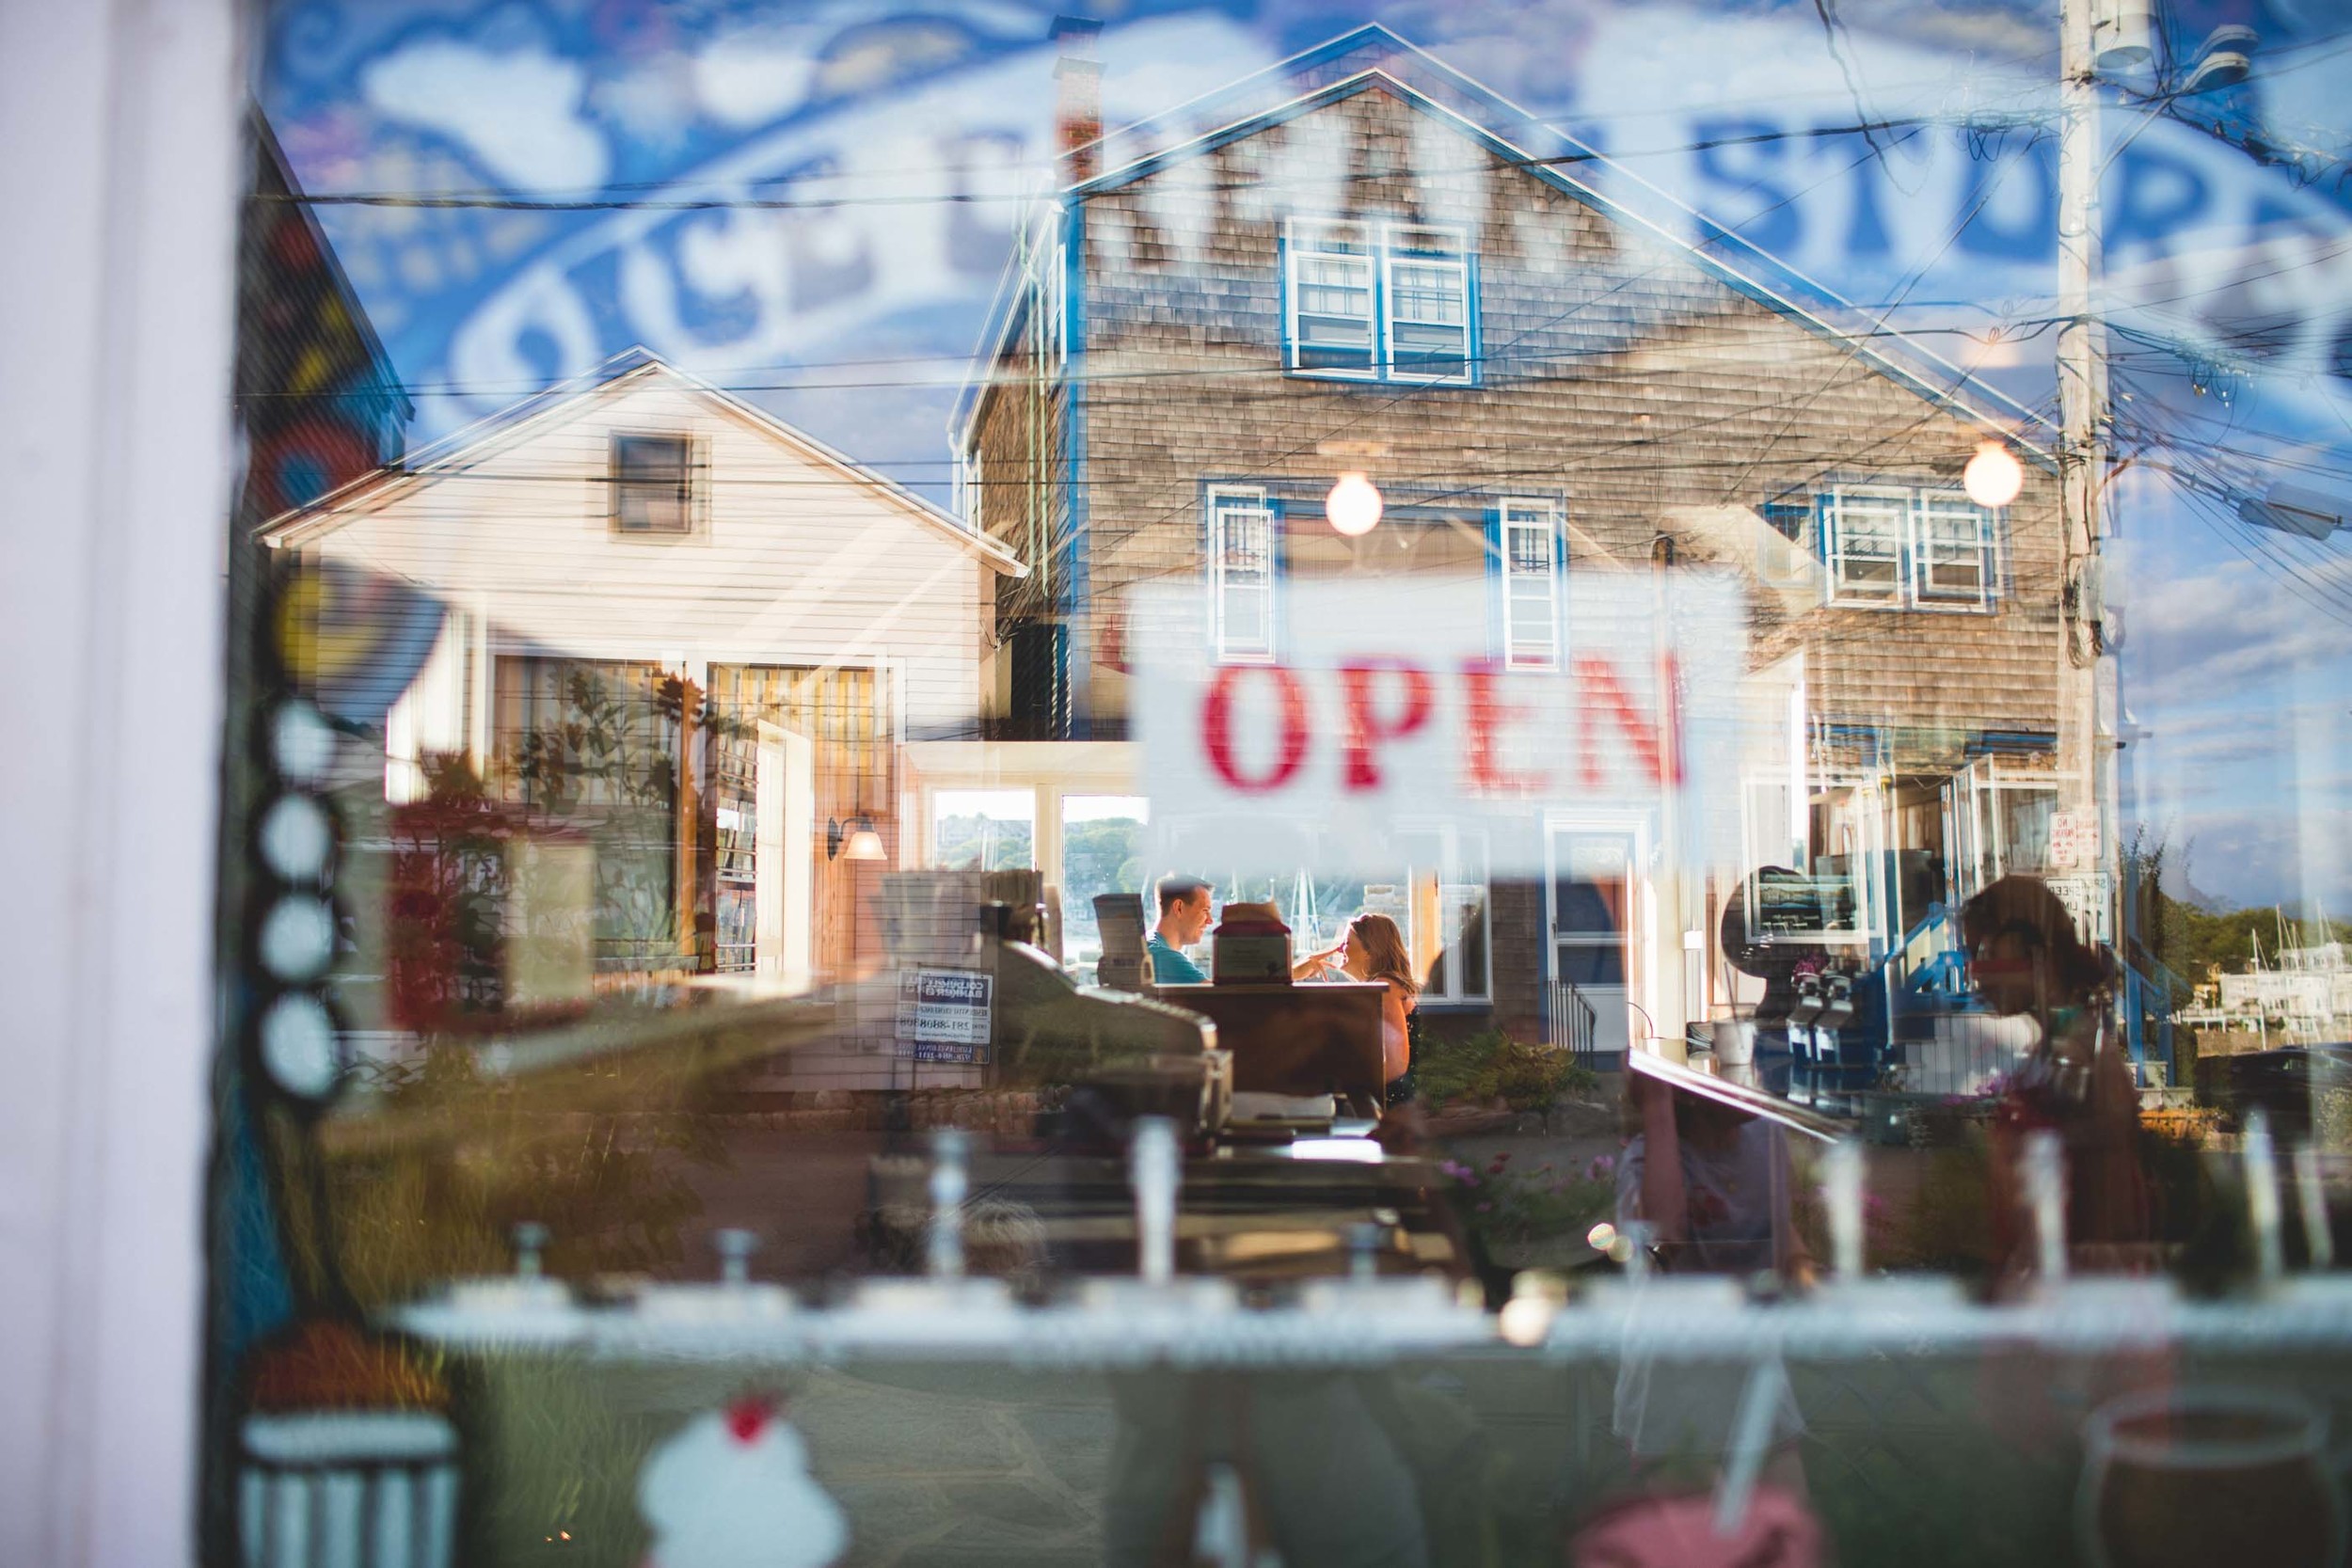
(1589, 907)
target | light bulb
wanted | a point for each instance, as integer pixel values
(865, 845)
(1992, 477)
(1354, 505)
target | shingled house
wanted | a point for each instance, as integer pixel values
(1361, 259)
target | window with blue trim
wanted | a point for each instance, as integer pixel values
(1394, 302)
(1242, 566)
(1529, 548)
(966, 499)
(1903, 548)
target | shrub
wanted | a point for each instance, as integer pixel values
(1490, 1066)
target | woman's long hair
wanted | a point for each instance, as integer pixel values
(2024, 907)
(1384, 951)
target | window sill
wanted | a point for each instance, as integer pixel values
(1884, 608)
(1374, 378)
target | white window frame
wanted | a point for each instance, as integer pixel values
(967, 484)
(1895, 505)
(1465, 859)
(1915, 552)
(1450, 254)
(1927, 507)
(1224, 588)
(1053, 299)
(1299, 237)
(1526, 516)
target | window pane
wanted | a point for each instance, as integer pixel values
(1242, 578)
(1331, 300)
(1867, 533)
(652, 478)
(984, 830)
(1102, 851)
(1955, 548)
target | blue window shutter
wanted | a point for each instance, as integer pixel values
(1476, 342)
(1279, 548)
(1283, 298)
(1498, 631)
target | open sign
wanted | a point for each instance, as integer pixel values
(1387, 704)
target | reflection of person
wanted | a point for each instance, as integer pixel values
(1775, 960)
(1372, 948)
(2024, 959)
(1712, 1185)
(1184, 915)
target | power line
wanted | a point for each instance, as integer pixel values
(1095, 377)
(501, 201)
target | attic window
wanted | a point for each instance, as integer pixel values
(1385, 301)
(653, 484)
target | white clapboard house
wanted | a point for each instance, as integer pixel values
(644, 531)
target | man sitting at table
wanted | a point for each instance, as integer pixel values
(1184, 915)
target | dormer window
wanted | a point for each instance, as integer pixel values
(653, 484)
(1379, 302)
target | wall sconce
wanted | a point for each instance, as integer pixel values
(855, 840)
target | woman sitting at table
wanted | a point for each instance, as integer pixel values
(1372, 948)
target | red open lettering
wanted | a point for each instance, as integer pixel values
(1486, 713)
(1655, 744)
(1366, 727)
(1216, 728)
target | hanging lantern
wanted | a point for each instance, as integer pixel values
(1354, 505)
(1992, 477)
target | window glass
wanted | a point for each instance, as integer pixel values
(1331, 289)
(984, 830)
(1013, 787)
(1865, 535)
(1103, 850)
(652, 483)
(1242, 573)
(1531, 568)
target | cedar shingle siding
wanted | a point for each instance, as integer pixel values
(1616, 373)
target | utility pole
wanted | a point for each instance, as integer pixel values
(2093, 33)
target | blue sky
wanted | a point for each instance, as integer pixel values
(2232, 283)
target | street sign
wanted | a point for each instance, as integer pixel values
(2073, 840)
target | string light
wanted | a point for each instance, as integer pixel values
(1992, 477)
(1354, 505)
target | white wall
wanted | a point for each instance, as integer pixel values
(120, 124)
(793, 564)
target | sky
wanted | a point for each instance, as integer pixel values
(892, 151)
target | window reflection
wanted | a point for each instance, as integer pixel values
(778, 938)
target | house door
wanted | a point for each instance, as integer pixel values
(1589, 909)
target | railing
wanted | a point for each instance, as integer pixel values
(1571, 1023)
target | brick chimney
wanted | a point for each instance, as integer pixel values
(1077, 99)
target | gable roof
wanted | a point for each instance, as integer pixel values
(1373, 59)
(467, 449)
